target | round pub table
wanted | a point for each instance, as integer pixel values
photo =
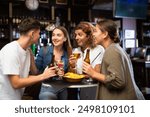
(60, 85)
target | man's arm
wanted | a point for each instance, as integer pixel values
(18, 82)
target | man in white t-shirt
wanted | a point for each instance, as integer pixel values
(16, 62)
(84, 39)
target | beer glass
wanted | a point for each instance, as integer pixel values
(60, 65)
(77, 53)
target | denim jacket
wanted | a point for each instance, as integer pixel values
(43, 59)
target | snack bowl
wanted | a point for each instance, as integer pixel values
(73, 77)
(72, 80)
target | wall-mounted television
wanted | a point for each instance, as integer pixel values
(130, 8)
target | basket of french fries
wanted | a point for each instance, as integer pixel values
(73, 77)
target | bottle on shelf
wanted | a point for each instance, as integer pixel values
(17, 33)
(57, 21)
(2, 33)
(17, 20)
(33, 48)
(14, 33)
(14, 20)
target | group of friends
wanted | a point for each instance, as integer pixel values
(110, 65)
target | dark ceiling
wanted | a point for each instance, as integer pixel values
(96, 4)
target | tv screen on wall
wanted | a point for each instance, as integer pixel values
(130, 8)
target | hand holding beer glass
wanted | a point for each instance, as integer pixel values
(77, 54)
(60, 69)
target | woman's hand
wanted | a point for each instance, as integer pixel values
(88, 69)
(72, 61)
(60, 72)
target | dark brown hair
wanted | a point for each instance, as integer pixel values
(28, 24)
(67, 44)
(87, 28)
(110, 27)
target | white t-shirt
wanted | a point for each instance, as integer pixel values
(14, 60)
(96, 55)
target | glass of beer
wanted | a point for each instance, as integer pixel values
(77, 53)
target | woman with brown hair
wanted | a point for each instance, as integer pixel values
(84, 38)
(116, 80)
(59, 50)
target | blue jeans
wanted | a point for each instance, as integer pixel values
(47, 93)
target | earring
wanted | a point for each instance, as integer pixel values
(65, 39)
